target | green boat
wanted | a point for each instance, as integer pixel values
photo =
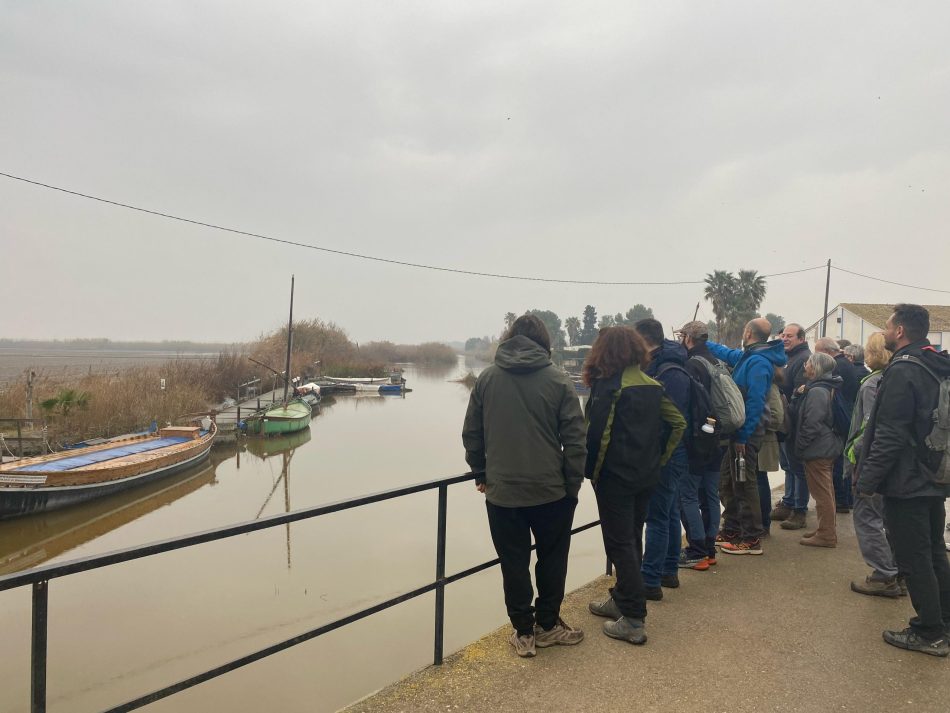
(289, 416)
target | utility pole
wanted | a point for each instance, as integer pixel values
(824, 315)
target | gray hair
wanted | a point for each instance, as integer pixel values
(827, 345)
(822, 363)
(856, 352)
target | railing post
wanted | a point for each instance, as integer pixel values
(38, 657)
(440, 576)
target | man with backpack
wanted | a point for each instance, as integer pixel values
(662, 542)
(904, 457)
(849, 392)
(752, 369)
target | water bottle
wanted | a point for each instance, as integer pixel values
(740, 467)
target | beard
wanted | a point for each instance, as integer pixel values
(890, 344)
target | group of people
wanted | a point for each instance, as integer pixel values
(680, 435)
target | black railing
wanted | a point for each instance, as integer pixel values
(39, 578)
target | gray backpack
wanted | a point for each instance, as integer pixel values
(938, 440)
(725, 397)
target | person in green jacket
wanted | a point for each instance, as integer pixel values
(633, 429)
(524, 440)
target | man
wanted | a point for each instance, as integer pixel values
(849, 390)
(753, 369)
(699, 492)
(524, 439)
(895, 463)
(793, 506)
(855, 354)
(663, 540)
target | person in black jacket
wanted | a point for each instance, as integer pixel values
(849, 390)
(794, 503)
(895, 463)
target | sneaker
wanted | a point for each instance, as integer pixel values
(844, 509)
(742, 547)
(711, 561)
(627, 629)
(908, 639)
(781, 511)
(606, 608)
(796, 521)
(877, 587)
(692, 562)
(724, 538)
(558, 635)
(670, 581)
(524, 644)
(654, 594)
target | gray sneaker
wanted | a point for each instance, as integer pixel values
(607, 608)
(524, 645)
(559, 634)
(908, 639)
(627, 629)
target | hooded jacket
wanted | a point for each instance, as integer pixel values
(894, 459)
(849, 374)
(795, 369)
(814, 433)
(675, 382)
(752, 370)
(524, 433)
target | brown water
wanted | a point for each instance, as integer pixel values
(120, 632)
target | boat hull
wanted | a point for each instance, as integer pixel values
(293, 417)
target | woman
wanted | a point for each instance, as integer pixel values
(817, 445)
(768, 460)
(869, 511)
(633, 429)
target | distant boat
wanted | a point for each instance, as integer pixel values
(57, 480)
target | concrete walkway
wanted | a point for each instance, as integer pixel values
(780, 632)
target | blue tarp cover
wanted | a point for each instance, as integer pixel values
(78, 461)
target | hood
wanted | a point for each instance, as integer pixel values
(835, 381)
(803, 347)
(774, 351)
(939, 362)
(669, 351)
(521, 355)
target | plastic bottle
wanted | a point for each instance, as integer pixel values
(740, 466)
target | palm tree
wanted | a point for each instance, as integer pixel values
(510, 318)
(573, 327)
(65, 400)
(751, 288)
(720, 291)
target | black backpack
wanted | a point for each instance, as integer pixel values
(840, 413)
(700, 446)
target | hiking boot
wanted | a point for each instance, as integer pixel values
(796, 521)
(877, 587)
(693, 562)
(844, 509)
(781, 511)
(626, 629)
(558, 635)
(606, 608)
(654, 594)
(815, 541)
(524, 644)
(908, 639)
(743, 547)
(670, 581)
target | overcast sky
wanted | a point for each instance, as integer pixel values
(594, 141)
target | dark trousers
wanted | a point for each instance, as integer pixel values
(742, 514)
(622, 516)
(844, 497)
(511, 530)
(915, 527)
(765, 498)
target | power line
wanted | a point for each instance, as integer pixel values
(373, 258)
(889, 282)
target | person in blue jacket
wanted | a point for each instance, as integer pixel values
(752, 369)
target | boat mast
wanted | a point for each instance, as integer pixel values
(290, 339)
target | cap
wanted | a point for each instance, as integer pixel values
(693, 329)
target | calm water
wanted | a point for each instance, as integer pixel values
(120, 632)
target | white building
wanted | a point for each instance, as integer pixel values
(856, 322)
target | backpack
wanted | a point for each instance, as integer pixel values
(727, 402)
(840, 413)
(700, 446)
(937, 441)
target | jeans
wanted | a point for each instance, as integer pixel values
(843, 494)
(796, 487)
(765, 498)
(511, 530)
(742, 514)
(868, 521)
(916, 528)
(661, 551)
(699, 495)
(622, 515)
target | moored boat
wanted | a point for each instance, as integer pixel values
(57, 480)
(281, 418)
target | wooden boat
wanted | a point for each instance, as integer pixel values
(57, 480)
(291, 415)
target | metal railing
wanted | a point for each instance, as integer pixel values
(39, 578)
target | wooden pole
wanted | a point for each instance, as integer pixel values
(824, 317)
(290, 339)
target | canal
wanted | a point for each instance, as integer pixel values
(119, 632)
